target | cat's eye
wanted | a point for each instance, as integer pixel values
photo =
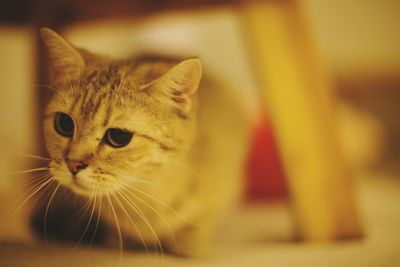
(117, 137)
(64, 125)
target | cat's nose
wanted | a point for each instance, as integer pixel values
(75, 166)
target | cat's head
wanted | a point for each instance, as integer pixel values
(111, 122)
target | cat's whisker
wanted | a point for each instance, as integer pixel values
(32, 156)
(137, 209)
(133, 224)
(83, 209)
(9, 149)
(138, 162)
(31, 193)
(146, 182)
(83, 215)
(97, 222)
(36, 188)
(162, 203)
(47, 210)
(186, 167)
(136, 179)
(32, 186)
(89, 221)
(53, 89)
(121, 245)
(37, 175)
(44, 189)
(35, 180)
(30, 170)
(144, 218)
(154, 210)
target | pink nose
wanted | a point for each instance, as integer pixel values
(75, 166)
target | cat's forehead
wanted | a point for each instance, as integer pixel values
(105, 94)
(107, 78)
(111, 83)
(94, 108)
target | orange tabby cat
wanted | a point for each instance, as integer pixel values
(157, 150)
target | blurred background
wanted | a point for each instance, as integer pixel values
(348, 49)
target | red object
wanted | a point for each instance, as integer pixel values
(264, 169)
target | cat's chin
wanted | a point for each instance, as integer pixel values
(90, 190)
(77, 184)
(81, 189)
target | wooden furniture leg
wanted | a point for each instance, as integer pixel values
(301, 103)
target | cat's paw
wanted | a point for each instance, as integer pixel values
(192, 241)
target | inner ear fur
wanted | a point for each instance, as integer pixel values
(64, 57)
(181, 82)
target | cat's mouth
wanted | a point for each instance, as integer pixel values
(81, 188)
(90, 185)
(80, 185)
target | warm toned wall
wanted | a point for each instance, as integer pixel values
(18, 121)
(357, 36)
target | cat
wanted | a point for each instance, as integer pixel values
(156, 148)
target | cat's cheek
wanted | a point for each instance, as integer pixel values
(55, 144)
(61, 179)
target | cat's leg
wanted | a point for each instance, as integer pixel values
(193, 240)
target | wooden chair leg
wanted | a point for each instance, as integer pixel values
(301, 103)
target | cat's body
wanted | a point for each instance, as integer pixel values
(169, 184)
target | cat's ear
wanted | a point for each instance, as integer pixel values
(65, 58)
(181, 83)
